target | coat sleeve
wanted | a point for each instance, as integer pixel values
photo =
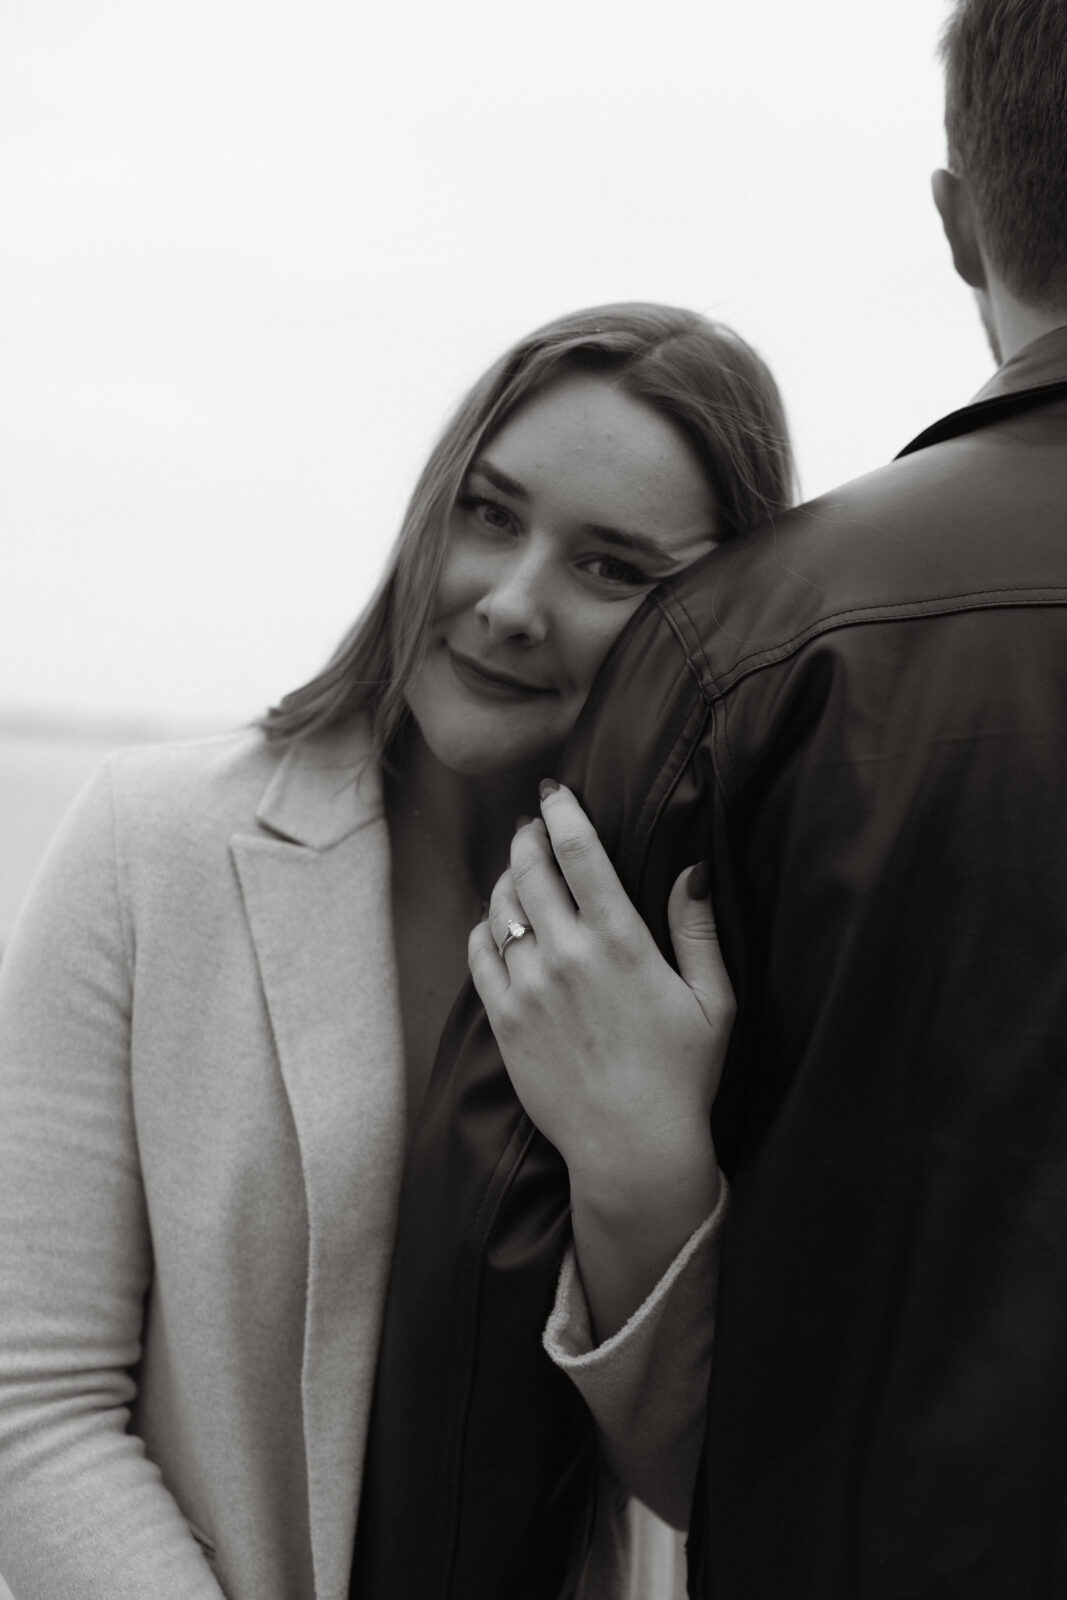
(84, 1515)
(646, 1385)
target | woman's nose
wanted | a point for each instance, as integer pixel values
(516, 605)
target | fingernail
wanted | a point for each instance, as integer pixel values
(546, 787)
(520, 822)
(698, 883)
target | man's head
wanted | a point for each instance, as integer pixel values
(1004, 199)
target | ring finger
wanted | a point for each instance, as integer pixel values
(508, 922)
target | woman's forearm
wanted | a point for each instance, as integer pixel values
(628, 1228)
(645, 1385)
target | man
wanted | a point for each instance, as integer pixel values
(878, 779)
(858, 717)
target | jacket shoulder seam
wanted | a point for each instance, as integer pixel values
(935, 605)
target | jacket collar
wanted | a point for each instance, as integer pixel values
(323, 790)
(1034, 376)
(315, 881)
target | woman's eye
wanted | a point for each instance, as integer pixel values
(488, 512)
(619, 574)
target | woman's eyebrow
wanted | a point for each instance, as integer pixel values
(499, 479)
(640, 543)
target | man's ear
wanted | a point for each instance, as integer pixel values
(952, 198)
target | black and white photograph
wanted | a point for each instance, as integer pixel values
(533, 895)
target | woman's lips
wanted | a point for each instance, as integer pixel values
(492, 685)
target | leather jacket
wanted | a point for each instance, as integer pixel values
(858, 715)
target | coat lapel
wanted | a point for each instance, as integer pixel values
(315, 881)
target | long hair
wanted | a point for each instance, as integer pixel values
(699, 374)
(1006, 123)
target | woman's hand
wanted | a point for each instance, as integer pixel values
(615, 1056)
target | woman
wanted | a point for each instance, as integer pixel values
(221, 1007)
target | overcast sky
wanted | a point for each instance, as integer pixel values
(253, 253)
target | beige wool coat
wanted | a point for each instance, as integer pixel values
(202, 1127)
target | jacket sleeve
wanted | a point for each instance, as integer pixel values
(84, 1515)
(646, 1385)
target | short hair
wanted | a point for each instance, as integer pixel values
(699, 374)
(1006, 121)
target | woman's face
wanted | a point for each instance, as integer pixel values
(578, 506)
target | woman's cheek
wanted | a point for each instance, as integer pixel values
(463, 581)
(601, 632)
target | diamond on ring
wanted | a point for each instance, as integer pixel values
(515, 930)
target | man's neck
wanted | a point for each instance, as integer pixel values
(1012, 324)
